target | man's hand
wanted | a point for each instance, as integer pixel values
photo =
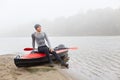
(51, 50)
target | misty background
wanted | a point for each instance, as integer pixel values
(60, 17)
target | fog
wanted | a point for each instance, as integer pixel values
(60, 17)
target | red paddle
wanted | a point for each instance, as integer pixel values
(29, 49)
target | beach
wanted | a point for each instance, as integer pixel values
(8, 71)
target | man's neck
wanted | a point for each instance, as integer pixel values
(38, 31)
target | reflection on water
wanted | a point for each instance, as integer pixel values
(98, 58)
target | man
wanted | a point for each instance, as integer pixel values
(40, 38)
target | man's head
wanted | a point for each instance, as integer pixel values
(37, 27)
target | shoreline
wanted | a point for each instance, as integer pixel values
(8, 71)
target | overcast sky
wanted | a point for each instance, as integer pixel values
(16, 12)
(50, 9)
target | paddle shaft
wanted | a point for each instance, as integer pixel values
(29, 49)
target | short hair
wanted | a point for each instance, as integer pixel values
(37, 25)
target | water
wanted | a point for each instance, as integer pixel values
(98, 58)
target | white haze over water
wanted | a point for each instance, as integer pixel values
(17, 13)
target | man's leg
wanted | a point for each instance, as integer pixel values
(58, 57)
(46, 51)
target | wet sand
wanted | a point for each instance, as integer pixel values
(8, 71)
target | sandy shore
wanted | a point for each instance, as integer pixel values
(8, 71)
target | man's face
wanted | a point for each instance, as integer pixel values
(39, 29)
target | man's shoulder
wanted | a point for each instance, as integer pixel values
(33, 34)
(43, 32)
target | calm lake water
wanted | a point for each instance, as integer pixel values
(98, 58)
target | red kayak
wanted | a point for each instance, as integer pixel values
(35, 58)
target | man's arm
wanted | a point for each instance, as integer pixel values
(46, 37)
(33, 41)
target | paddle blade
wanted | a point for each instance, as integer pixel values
(73, 48)
(28, 49)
